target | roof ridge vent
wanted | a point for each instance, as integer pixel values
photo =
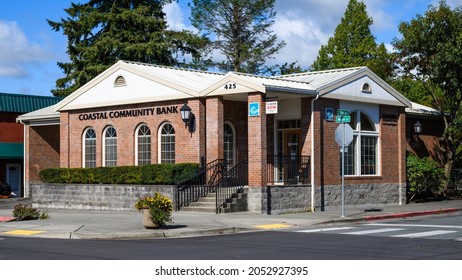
(120, 82)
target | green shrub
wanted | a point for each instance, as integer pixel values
(424, 177)
(155, 174)
(27, 212)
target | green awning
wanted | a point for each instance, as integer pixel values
(11, 150)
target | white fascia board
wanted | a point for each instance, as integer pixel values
(363, 99)
(121, 65)
(365, 72)
(88, 85)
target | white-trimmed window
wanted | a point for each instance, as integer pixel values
(229, 144)
(167, 143)
(143, 145)
(89, 148)
(361, 157)
(110, 146)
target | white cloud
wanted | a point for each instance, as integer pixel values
(305, 26)
(16, 50)
(175, 17)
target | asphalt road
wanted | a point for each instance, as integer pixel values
(270, 245)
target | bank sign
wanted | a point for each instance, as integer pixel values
(129, 113)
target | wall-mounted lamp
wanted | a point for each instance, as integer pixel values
(188, 117)
(417, 127)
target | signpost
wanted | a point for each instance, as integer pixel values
(343, 137)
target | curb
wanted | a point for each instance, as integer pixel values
(390, 216)
(411, 214)
(157, 234)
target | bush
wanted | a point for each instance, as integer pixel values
(156, 174)
(27, 212)
(424, 177)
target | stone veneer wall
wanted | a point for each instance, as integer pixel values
(93, 197)
(289, 199)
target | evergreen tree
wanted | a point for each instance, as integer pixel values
(239, 30)
(354, 45)
(101, 32)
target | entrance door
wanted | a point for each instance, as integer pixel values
(13, 177)
(292, 143)
(292, 155)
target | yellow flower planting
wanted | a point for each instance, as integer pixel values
(160, 207)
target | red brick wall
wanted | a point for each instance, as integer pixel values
(10, 130)
(187, 145)
(391, 145)
(42, 150)
(257, 144)
(214, 128)
(326, 150)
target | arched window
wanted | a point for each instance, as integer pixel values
(143, 145)
(167, 143)
(361, 157)
(110, 146)
(89, 148)
(229, 144)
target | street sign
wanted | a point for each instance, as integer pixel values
(343, 137)
(341, 112)
(348, 134)
(342, 119)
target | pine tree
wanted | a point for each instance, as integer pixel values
(101, 32)
(354, 45)
(239, 30)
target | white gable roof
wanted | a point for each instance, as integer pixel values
(346, 84)
(151, 83)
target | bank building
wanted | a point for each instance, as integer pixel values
(274, 136)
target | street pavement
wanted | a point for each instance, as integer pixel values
(89, 224)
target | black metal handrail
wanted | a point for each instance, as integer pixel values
(288, 169)
(231, 183)
(195, 186)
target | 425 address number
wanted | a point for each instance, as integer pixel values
(230, 86)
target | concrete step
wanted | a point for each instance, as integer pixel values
(198, 209)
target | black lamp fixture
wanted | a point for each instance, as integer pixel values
(188, 117)
(417, 127)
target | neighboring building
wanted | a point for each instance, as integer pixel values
(12, 135)
(424, 142)
(130, 115)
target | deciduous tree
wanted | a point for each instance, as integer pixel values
(430, 52)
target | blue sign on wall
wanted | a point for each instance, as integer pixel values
(254, 109)
(329, 114)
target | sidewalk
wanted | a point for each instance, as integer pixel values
(85, 224)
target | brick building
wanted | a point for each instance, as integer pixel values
(12, 135)
(283, 126)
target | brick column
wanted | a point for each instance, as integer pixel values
(214, 128)
(257, 142)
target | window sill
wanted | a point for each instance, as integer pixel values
(362, 177)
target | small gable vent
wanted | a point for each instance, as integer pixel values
(366, 88)
(120, 82)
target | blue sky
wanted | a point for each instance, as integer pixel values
(30, 49)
